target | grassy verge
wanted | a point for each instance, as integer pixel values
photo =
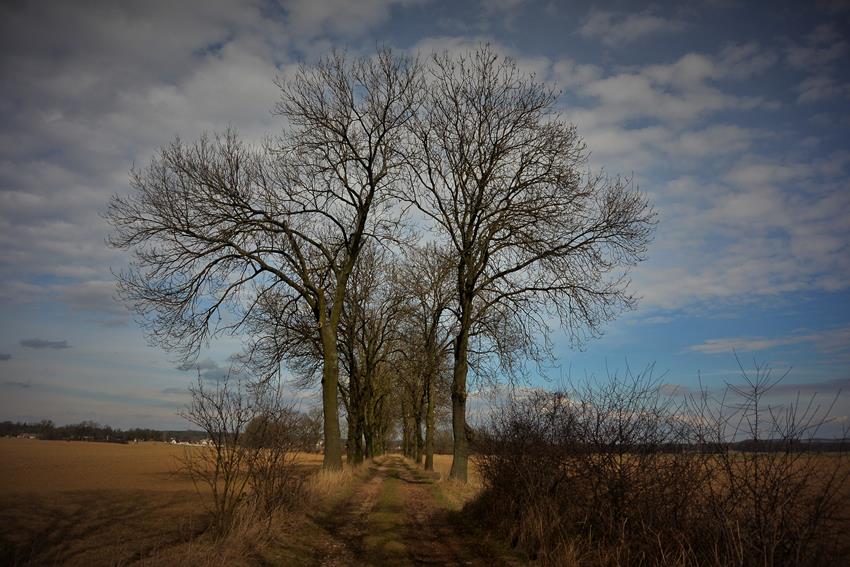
(300, 537)
(325, 490)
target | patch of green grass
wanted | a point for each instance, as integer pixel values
(383, 544)
(453, 495)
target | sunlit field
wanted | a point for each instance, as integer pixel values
(31, 465)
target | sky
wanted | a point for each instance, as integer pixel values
(731, 116)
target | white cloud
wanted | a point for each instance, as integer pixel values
(310, 18)
(742, 61)
(568, 73)
(540, 66)
(830, 341)
(816, 88)
(761, 229)
(501, 6)
(98, 89)
(712, 140)
(817, 55)
(823, 46)
(683, 91)
(742, 344)
(616, 29)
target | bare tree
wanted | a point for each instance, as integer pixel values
(248, 458)
(222, 412)
(369, 335)
(498, 175)
(216, 227)
(427, 282)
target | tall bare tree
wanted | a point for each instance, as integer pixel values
(369, 335)
(427, 284)
(499, 175)
(216, 226)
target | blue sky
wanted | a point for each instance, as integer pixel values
(732, 116)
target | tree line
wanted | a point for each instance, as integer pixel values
(93, 431)
(417, 224)
(303, 429)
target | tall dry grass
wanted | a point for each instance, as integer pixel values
(325, 488)
(455, 494)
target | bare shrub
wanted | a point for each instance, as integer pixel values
(246, 469)
(773, 499)
(271, 446)
(598, 464)
(618, 473)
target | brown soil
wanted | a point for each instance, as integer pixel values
(394, 518)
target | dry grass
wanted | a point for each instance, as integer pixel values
(443, 465)
(326, 488)
(452, 494)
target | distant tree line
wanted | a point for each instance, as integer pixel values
(303, 429)
(93, 431)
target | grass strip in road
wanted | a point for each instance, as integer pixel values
(383, 544)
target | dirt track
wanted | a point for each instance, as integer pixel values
(393, 518)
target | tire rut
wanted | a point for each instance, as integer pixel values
(434, 536)
(431, 534)
(347, 524)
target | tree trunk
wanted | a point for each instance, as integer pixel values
(418, 445)
(405, 430)
(429, 424)
(356, 418)
(330, 401)
(370, 443)
(355, 440)
(460, 455)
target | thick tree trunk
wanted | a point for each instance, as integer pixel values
(355, 440)
(330, 401)
(370, 443)
(429, 424)
(460, 455)
(418, 444)
(405, 430)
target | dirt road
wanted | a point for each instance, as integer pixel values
(394, 518)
